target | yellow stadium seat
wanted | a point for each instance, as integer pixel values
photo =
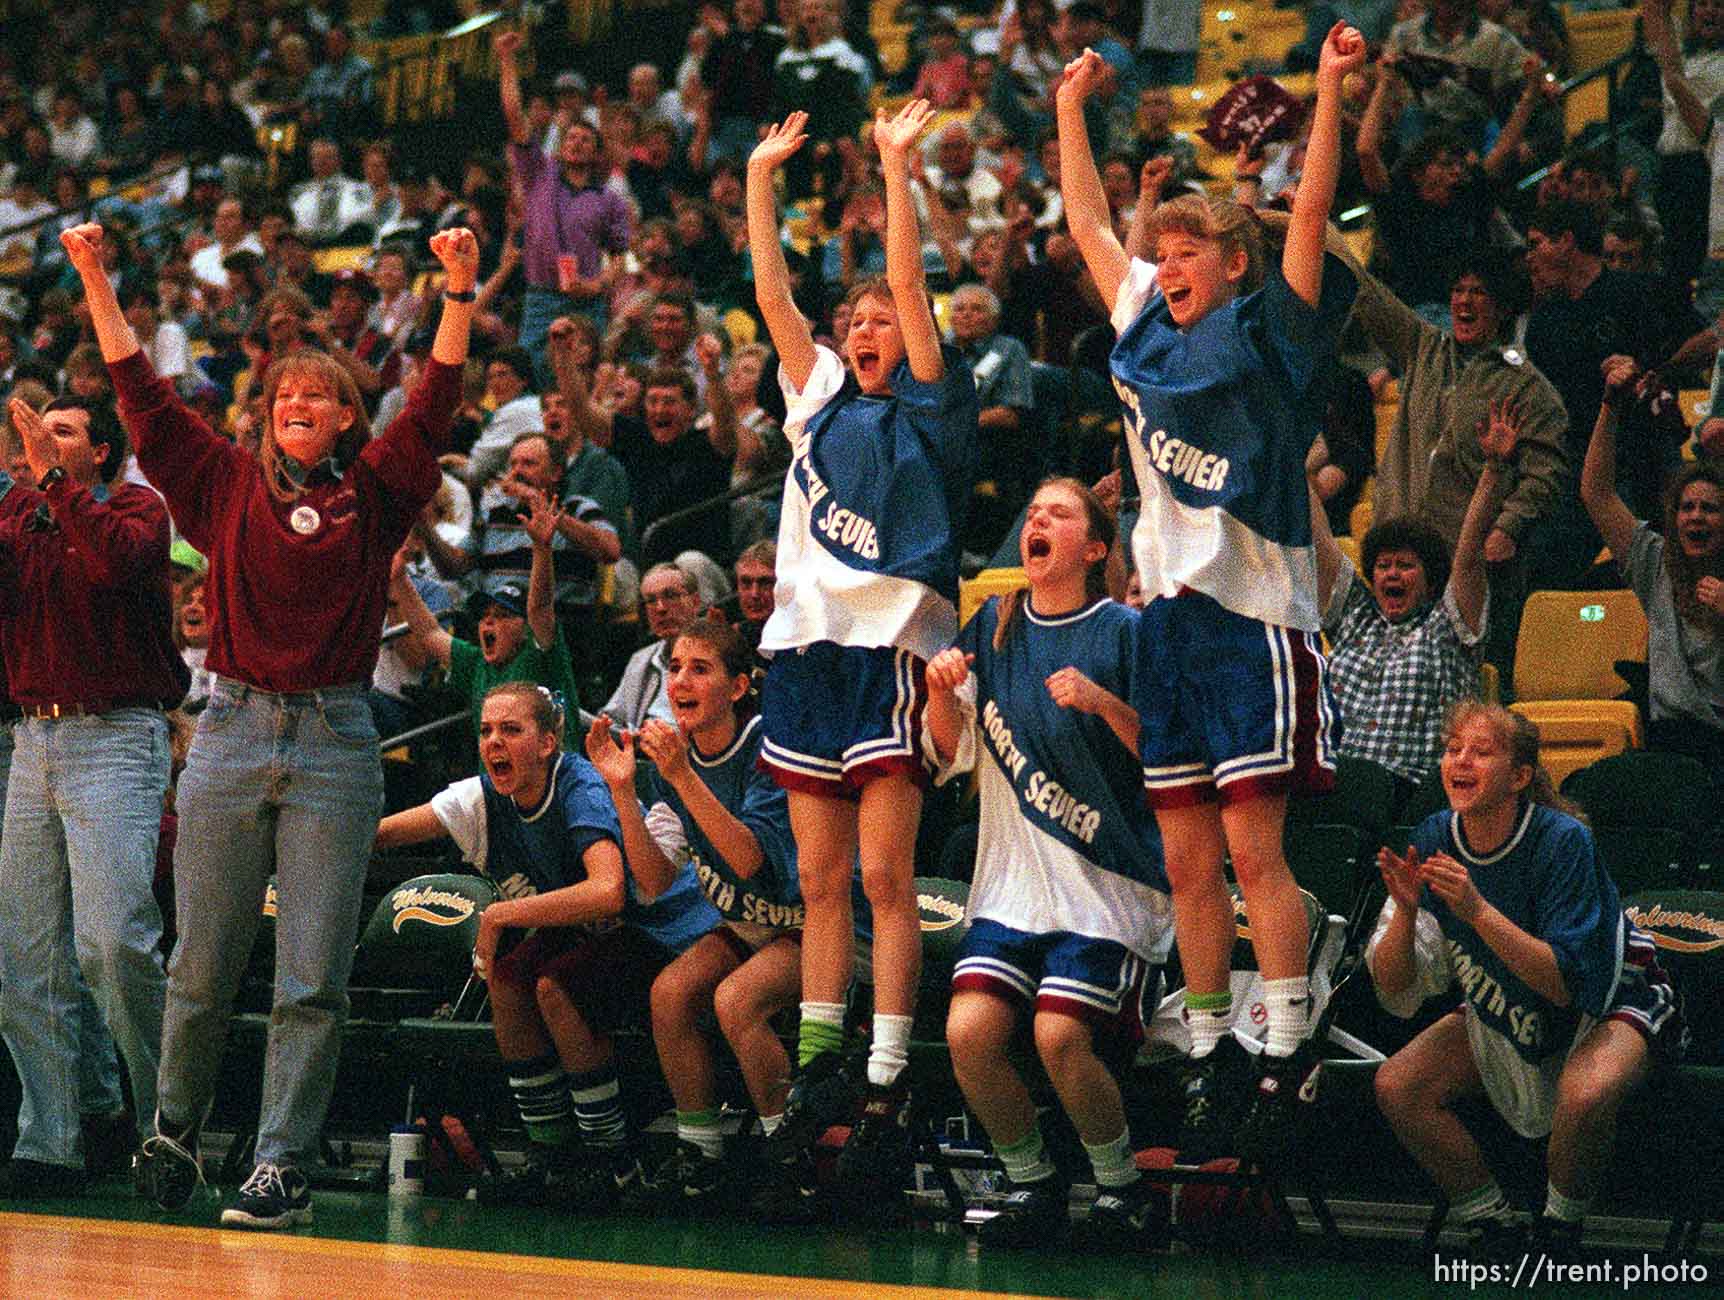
(1570, 640)
(1386, 413)
(1577, 733)
(1490, 684)
(1598, 36)
(972, 595)
(943, 311)
(348, 257)
(1360, 241)
(1585, 105)
(1350, 548)
(1696, 404)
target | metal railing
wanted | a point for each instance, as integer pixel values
(748, 489)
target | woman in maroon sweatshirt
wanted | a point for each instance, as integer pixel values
(284, 774)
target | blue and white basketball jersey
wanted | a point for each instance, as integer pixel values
(1219, 419)
(1066, 843)
(534, 851)
(1547, 880)
(771, 896)
(873, 508)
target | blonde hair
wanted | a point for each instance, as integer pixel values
(1233, 226)
(1520, 735)
(320, 366)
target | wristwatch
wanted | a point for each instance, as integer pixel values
(53, 476)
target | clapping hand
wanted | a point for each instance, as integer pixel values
(667, 747)
(949, 669)
(1401, 876)
(612, 753)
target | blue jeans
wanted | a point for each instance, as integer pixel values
(539, 307)
(283, 784)
(77, 860)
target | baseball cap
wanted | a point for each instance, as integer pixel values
(508, 593)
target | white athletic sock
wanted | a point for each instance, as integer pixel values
(1487, 1202)
(1288, 1003)
(1570, 1209)
(1025, 1160)
(891, 1050)
(1114, 1163)
(701, 1128)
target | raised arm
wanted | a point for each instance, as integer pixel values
(1331, 559)
(722, 435)
(784, 321)
(541, 525)
(896, 137)
(1467, 576)
(1385, 98)
(83, 245)
(1661, 40)
(422, 624)
(458, 251)
(1302, 256)
(1085, 201)
(1151, 185)
(593, 420)
(507, 44)
(1598, 492)
(1514, 129)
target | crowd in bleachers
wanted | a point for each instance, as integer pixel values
(1508, 411)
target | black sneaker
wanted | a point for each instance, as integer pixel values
(1280, 1110)
(1215, 1094)
(542, 1179)
(689, 1180)
(1135, 1217)
(878, 1154)
(274, 1197)
(822, 1093)
(1033, 1214)
(167, 1171)
(1557, 1239)
(786, 1189)
(22, 1179)
(1496, 1240)
(110, 1141)
(605, 1181)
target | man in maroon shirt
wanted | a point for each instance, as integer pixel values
(84, 621)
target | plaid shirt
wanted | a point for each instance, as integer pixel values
(1395, 681)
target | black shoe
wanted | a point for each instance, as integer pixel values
(542, 1179)
(605, 1181)
(786, 1189)
(36, 1180)
(274, 1197)
(167, 1171)
(1280, 1111)
(1557, 1239)
(689, 1181)
(1135, 1217)
(878, 1154)
(1032, 1215)
(1496, 1240)
(109, 1143)
(1215, 1089)
(822, 1093)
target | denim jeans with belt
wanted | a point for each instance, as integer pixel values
(77, 861)
(284, 784)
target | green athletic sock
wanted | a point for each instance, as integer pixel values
(821, 1030)
(1209, 1017)
(541, 1091)
(700, 1128)
(1025, 1160)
